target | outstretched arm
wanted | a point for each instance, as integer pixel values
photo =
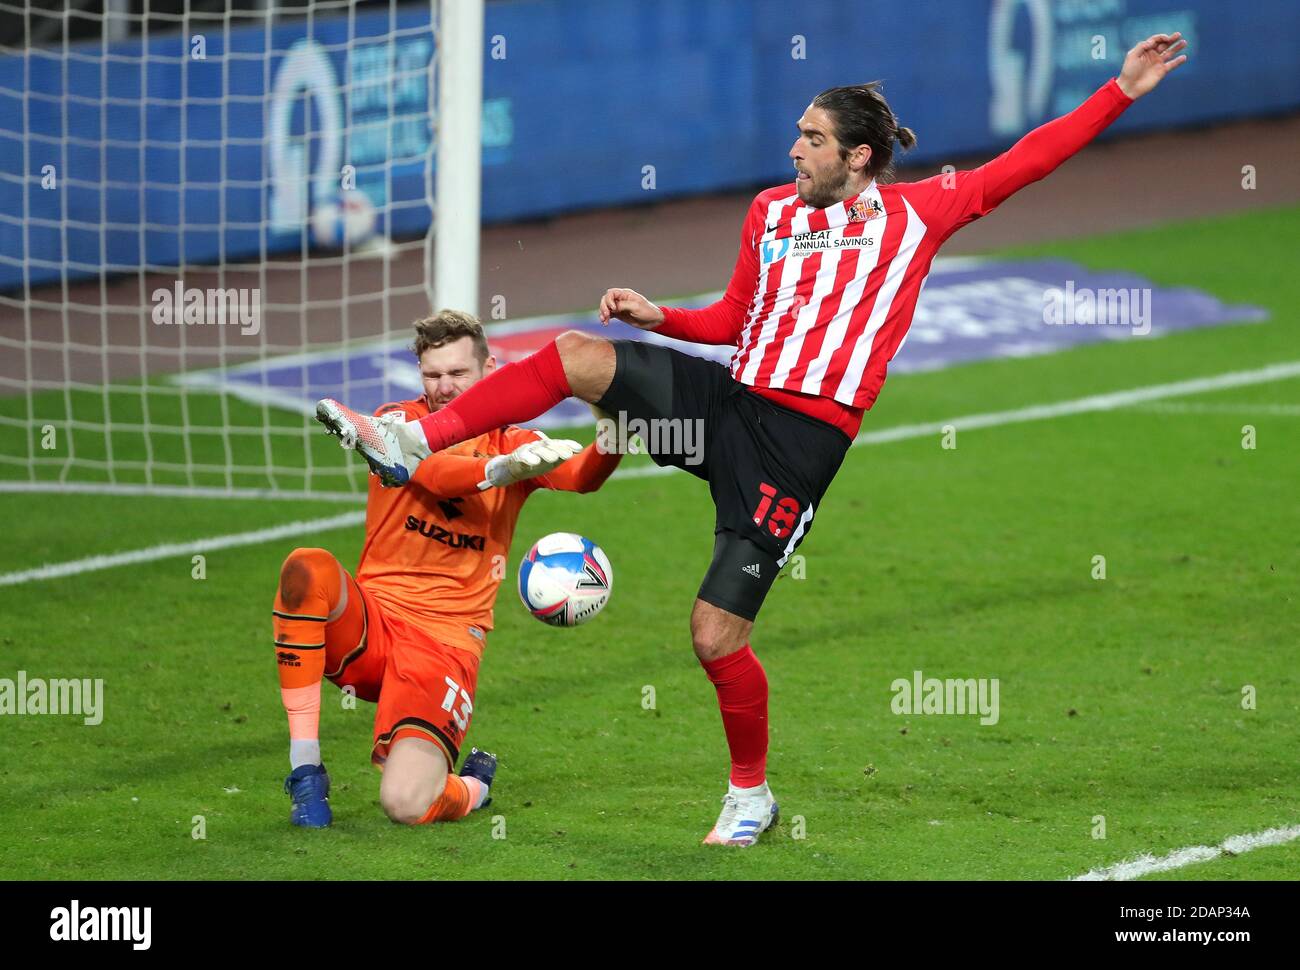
(1042, 150)
(589, 468)
(444, 475)
(1147, 64)
(449, 476)
(948, 202)
(584, 472)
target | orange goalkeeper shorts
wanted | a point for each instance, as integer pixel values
(423, 687)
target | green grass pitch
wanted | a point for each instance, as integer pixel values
(1119, 697)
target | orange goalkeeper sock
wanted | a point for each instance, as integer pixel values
(311, 583)
(458, 799)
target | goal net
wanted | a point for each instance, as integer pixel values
(210, 216)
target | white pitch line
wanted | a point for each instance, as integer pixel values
(167, 550)
(1205, 407)
(1039, 412)
(1082, 405)
(177, 491)
(1147, 864)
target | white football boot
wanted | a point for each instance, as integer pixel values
(391, 455)
(746, 814)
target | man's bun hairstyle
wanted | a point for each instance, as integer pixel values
(861, 116)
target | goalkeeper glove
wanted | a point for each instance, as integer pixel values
(528, 461)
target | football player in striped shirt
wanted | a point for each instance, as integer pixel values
(824, 289)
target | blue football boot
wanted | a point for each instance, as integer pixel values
(483, 766)
(309, 787)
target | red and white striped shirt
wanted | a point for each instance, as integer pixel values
(821, 299)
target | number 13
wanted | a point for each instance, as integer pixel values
(462, 716)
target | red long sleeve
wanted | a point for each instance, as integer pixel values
(1039, 153)
(717, 323)
(952, 200)
(720, 322)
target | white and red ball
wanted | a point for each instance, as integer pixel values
(565, 579)
(348, 220)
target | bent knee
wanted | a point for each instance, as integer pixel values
(299, 572)
(710, 644)
(406, 803)
(715, 633)
(589, 363)
(402, 809)
(575, 342)
(706, 649)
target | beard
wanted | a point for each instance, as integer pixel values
(826, 187)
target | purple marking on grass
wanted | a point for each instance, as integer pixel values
(967, 312)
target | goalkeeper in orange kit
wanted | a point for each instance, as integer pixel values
(408, 630)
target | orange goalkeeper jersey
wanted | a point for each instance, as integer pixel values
(436, 549)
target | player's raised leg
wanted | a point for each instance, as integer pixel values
(312, 595)
(573, 365)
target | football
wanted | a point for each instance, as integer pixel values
(347, 220)
(565, 579)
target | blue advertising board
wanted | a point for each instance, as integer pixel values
(228, 146)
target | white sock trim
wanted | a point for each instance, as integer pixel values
(303, 752)
(483, 792)
(411, 439)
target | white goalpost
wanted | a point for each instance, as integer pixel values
(459, 174)
(209, 218)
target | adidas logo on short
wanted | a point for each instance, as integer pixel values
(752, 570)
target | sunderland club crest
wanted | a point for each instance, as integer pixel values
(864, 210)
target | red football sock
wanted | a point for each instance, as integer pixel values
(742, 697)
(512, 394)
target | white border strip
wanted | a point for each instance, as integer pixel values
(1147, 864)
(1246, 408)
(167, 550)
(177, 491)
(1097, 402)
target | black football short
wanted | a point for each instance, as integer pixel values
(767, 466)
